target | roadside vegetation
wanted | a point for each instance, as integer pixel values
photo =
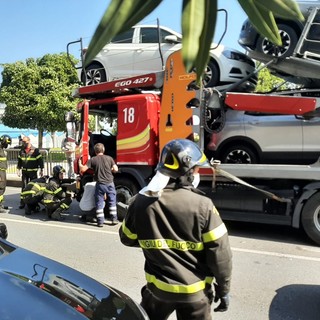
(38, 92)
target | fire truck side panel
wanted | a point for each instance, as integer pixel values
(137, 127)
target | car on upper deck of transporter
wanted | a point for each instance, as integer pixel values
(289, 30)
(144, 49)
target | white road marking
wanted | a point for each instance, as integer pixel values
(61, 226)
(276, 254)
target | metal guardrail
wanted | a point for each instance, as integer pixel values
(51, 158)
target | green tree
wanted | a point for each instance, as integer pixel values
(268, 82)
(198, 22)
(37, 93)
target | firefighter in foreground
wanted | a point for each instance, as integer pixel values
(55, 199)
(5, 141)
(32, 194)
(184, 241)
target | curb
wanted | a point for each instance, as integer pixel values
(14, 183)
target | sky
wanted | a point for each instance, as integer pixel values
(33, 28)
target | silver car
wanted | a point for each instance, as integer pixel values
(255, 137)
(145, 49)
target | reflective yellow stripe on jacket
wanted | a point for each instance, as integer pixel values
(52, 193)
(215, 234)
(179, 288)
(26, 158)
(171, 244)
(127, 232)
(27, 192)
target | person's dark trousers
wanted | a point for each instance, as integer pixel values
(32, 204)
(159, 309)
(3, 185)
(26, 178)
(60, 206)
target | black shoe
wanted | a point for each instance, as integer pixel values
(27, 211)
(22, 205)
(114, 221)
(83, 218)
(100, 225)
(56, 215)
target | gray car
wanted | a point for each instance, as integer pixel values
(289, 30)
(256, 137)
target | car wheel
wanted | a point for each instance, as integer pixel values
(289, 41)
(95, 74)
(239, 154)
(310, 218)
(211, 75)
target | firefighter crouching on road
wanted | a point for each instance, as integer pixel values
(5, 141)
(32, 194)
(29, 161)
(184, 241)
(55, 199)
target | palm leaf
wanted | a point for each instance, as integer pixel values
(287, 9)
(192, 21)
(259, 18)
(206, 36)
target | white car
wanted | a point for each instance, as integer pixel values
(139, 51)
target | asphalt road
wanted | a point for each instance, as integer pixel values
(276, 270)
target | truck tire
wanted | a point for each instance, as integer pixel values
(125, 188)
(310, 218)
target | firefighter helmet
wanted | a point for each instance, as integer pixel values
(179, 156)
(5, 140)
(57, 170)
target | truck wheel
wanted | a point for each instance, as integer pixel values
(289, 41)
(95, 74)
(125, 189)
(239, 154)
(310, 218)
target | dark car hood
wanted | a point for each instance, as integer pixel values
(35, 287)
